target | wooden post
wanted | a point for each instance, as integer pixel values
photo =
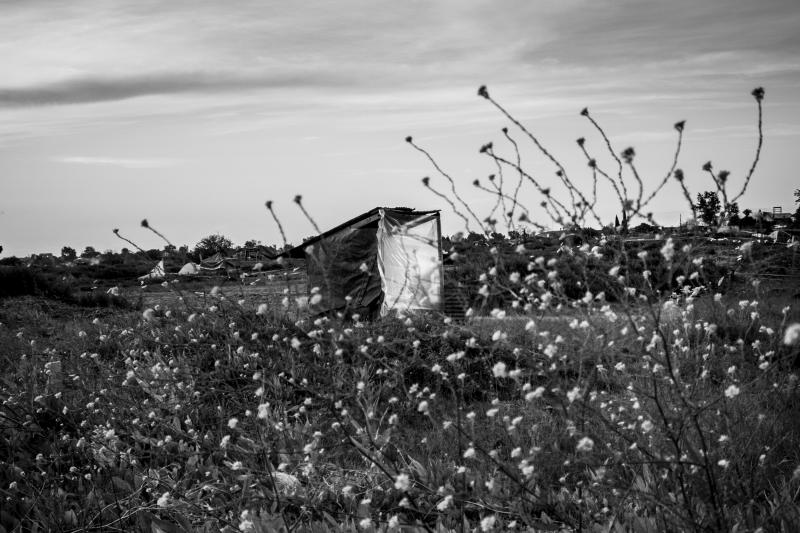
(441, 261)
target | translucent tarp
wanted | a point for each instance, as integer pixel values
(409, 261)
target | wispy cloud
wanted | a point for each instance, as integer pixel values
(137, 163)
(98, 89)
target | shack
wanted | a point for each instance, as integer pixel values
(384, 260)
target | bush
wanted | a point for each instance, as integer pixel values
(21, 281)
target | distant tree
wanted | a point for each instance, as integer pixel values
(796, 215)
(645, 228)
(708, 206)
(252, 243)
(732, 213)
(68, 253)
(747, 221)
(154, 254)
(213, 244)
(89, 252)
(497, 237)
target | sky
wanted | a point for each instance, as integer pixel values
(193, 114)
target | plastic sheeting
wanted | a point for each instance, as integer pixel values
(156, 273)
(344, 264)
(189, 269)
(409, 261)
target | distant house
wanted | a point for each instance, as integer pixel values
(254, 253)
(775, 215)
(43, 259)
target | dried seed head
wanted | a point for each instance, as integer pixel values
(678, 174)
(482, 91)
(144, 223)
(426, 180)
(585, 112)
(476, 183)
(707, 167)
(592, 163)
(580, 141)
(298, 199)
(491, 177)
(679, 125)
(268, 203)
(628, 154)
(758, 93)
(505, 130)
(409, 139)
(116, 231)
(723, 175)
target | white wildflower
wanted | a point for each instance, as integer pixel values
(445, 503)
(499, 370)
(163, 500)
(573, 394)
(791, 336)
(585, 445)
(402, 482)
(732, 391)
(668, 250)
(536, 393)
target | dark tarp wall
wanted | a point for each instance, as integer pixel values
(334, 265)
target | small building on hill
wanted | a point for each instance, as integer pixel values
(776, 216)
(387, 259)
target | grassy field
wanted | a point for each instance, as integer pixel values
(222, 409)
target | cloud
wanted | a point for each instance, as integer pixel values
(138, 163)
(98, 89)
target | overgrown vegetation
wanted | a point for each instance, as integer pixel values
(21, 281)
(602, 385)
